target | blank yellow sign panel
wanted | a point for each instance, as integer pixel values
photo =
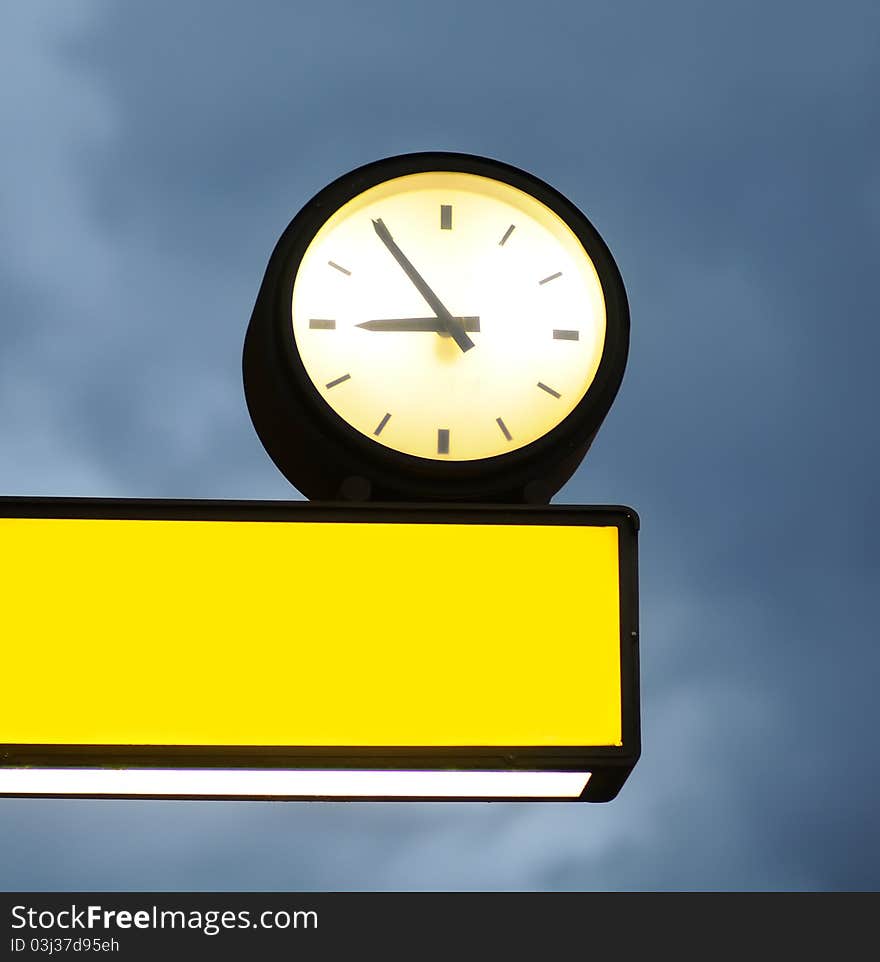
(127, 632)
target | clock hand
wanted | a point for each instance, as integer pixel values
(451, 324)
(432, 324)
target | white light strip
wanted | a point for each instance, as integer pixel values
(227, 783)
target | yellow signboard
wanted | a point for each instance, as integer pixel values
(299, 636)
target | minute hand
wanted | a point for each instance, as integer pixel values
(454, 327)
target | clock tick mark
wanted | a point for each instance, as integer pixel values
(446, 217)
(504, 430)
(338, 380)
(339, 268)
(549, 390)
(322, 324)
(566, 335)
(382, 424)
(507, 234)
(443, 441)
(552, 277)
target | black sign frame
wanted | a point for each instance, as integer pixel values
(609, 765)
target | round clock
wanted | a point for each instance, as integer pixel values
(435, 327)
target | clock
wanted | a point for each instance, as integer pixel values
(435, 327)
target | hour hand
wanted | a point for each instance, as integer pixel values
(431, 324)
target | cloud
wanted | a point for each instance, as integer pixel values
(727, 155)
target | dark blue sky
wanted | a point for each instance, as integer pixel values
(728, 154)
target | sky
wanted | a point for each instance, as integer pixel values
(152, 155)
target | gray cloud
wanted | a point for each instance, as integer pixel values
(152, 157)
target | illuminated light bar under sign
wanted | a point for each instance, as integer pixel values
(273, 783)
(295, 650)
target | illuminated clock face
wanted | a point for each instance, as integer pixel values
(448, 316)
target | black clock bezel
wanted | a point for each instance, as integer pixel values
(325, 457)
